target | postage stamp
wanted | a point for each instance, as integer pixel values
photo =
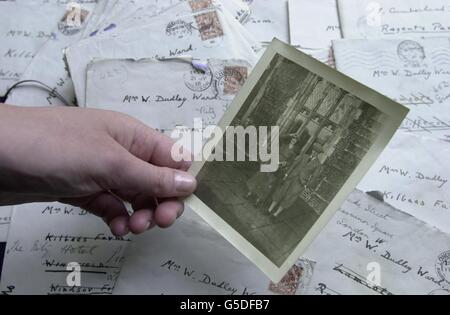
(209, 25)
(197, 5)
(179, 29)
(443, 267)
(290, 282)
(229, 80)
(234, 79)
(73, 20)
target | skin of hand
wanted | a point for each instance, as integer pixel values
(95, 160)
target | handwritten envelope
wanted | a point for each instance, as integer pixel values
(131, 12)
(21, 40)
(48, 67)
(415, 73)
(313, 24)
(212, 37)
(413, 175)
(42, 244)
(166, 262)
(372, 248)
(394, 19)
(178, 93)
(269, 19)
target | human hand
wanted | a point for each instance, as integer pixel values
(92, 159)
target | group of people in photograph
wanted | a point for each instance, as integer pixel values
(299, 170)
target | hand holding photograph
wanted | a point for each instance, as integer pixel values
(330, 129)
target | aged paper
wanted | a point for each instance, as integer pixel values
(180, 93)
(412, 175)
(372, 248)
(45, 238)
(415, 73)
(336, 128)
(21, 41)
(313, 24)
(269, 19)
(48, 67)
(394, 19)
(175, 37)
(129, 13)
(173, 261)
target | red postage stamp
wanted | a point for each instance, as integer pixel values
(209, 25)
(197, 5)
(234, 78)
(289, 284)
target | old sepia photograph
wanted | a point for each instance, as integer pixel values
(325, 132)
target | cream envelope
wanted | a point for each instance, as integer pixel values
(371, 248)
(313, 24)
(97, 15)
(269, 19)
(21, 40)
(45, 238)
(191, 258)
(164, 94)
(211, 38)
(415, 73)
(413, 175)
(239, 9)
(394, 19)
(129, 14)
(48, 67)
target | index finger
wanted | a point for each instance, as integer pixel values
(147, 143)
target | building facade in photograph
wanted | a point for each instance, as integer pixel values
(324, 134)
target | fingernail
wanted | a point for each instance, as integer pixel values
(185, 182)
(148, 226)
(122, 233)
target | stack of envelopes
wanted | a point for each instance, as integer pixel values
(169, 62)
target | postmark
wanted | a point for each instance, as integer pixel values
(73, 20)
(110, 77)
(179, 29)
(198, 5)
(411, 53)
(290, 282)
(443, 267)
(197, 80)
(209, 25)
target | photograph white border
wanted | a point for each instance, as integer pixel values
(394, 111)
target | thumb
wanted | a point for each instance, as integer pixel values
(139, 176)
